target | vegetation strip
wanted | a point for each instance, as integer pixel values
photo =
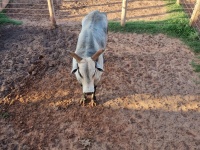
(176, 25)
(6, 20)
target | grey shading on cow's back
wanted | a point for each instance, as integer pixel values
(88, 57)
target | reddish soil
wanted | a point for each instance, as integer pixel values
(136, 10)
(148, 96)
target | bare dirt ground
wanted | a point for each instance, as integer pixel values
(148, 97)
(137, 10)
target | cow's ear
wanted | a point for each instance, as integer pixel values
(74, 67)
(99, 67)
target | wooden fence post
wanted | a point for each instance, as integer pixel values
(51, 13)
(195, 13)
(3, 4)
(123, 15)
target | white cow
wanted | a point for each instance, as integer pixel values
(88, 57)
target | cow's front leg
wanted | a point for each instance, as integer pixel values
(93, 99)
(83, 99)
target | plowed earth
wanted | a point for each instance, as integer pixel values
(148, 97)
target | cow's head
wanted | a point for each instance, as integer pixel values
(88, 71)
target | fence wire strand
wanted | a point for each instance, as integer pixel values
(11, 3)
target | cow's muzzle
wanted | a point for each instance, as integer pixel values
(89, 93)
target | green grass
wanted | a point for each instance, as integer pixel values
(6, 20)
(176, 25)
(4, 115)
(196, 66)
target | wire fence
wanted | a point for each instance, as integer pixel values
(189, 6)
(26, 9)
(75, 10)
(113, 8)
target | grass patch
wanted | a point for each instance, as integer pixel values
(4, 115)
(196, 66)
(176, 25)
(6, 20)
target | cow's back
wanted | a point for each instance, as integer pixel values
(93, 34)
(95, 20)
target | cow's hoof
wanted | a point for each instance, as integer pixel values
(82, 101)
(92, 103)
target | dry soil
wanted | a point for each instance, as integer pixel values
(148, 97)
